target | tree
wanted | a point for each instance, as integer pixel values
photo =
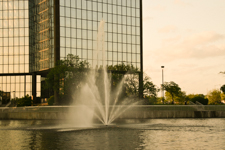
(129, 75)
(119, 71)
(214, 97)
(179, 98)
(222, 88)
(200, 98)
(132, 86)
(66, 76)
(172, 88)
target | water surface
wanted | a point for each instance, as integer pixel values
(124, 134)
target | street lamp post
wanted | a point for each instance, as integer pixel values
(162, 84)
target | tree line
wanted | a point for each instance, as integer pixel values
(72, 71)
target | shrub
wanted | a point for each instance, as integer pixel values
(24, 101)
(51, 100)
(200, 99)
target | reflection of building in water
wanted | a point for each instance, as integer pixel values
(36, 33)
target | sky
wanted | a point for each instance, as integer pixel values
(188, 38)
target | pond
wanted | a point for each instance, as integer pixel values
(123, 134)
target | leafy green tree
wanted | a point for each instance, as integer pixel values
(222, 88)
(129, 74)
(214, 97)
(51, 100)
(180, 98)
(132, 86)
(66, 77)
(119, 71)
(172, 88)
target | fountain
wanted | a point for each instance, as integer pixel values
(95, 97)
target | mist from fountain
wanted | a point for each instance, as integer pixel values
(95, 97)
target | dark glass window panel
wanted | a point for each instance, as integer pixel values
(138, 49)
(73, 33)
(68, 42)
(68, 22)
(115, 38)
(84, 14)
(89, 44)
(137, 13)
(79, 4)
(62, 52)
(62, 21)
(119, 38)
(84, 54)
(95, 16)
(89, 5)
(89, 15)
(120, 57)
(129, 57)
(79, 13)
(84, 4)
(62, 31)
(67, 3)
(84, 24)
(62, 11)
(124, 11)
(62, 42)
(73, 13)
(73, 3)
(73, 43)
(73, 23)
(79, 53)
(105, 8)
(84, 34)
(100, 8)
(124, 56)
(129, 48)
(68, 31)
(79, 44)
(110, 18)
(78, 23)
(94, 6)
(110, 9)
(61, 3)
(68, 12)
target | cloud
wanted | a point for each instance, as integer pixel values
(168, 29)
(182, 3)
(197, 46)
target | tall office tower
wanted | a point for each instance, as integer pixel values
(34, 34)
(15, 79)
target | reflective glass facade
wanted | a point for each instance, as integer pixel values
(27, 31)
(14, 37)
(14, 48)
(41, 34)
(79, 21)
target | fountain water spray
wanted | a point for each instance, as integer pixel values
(96, 95)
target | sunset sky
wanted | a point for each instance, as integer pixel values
(188, 38)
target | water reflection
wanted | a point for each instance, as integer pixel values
(126, 134)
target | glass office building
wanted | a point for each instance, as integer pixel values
(34, 34)
(15, 78)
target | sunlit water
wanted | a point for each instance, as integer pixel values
(124, 134)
